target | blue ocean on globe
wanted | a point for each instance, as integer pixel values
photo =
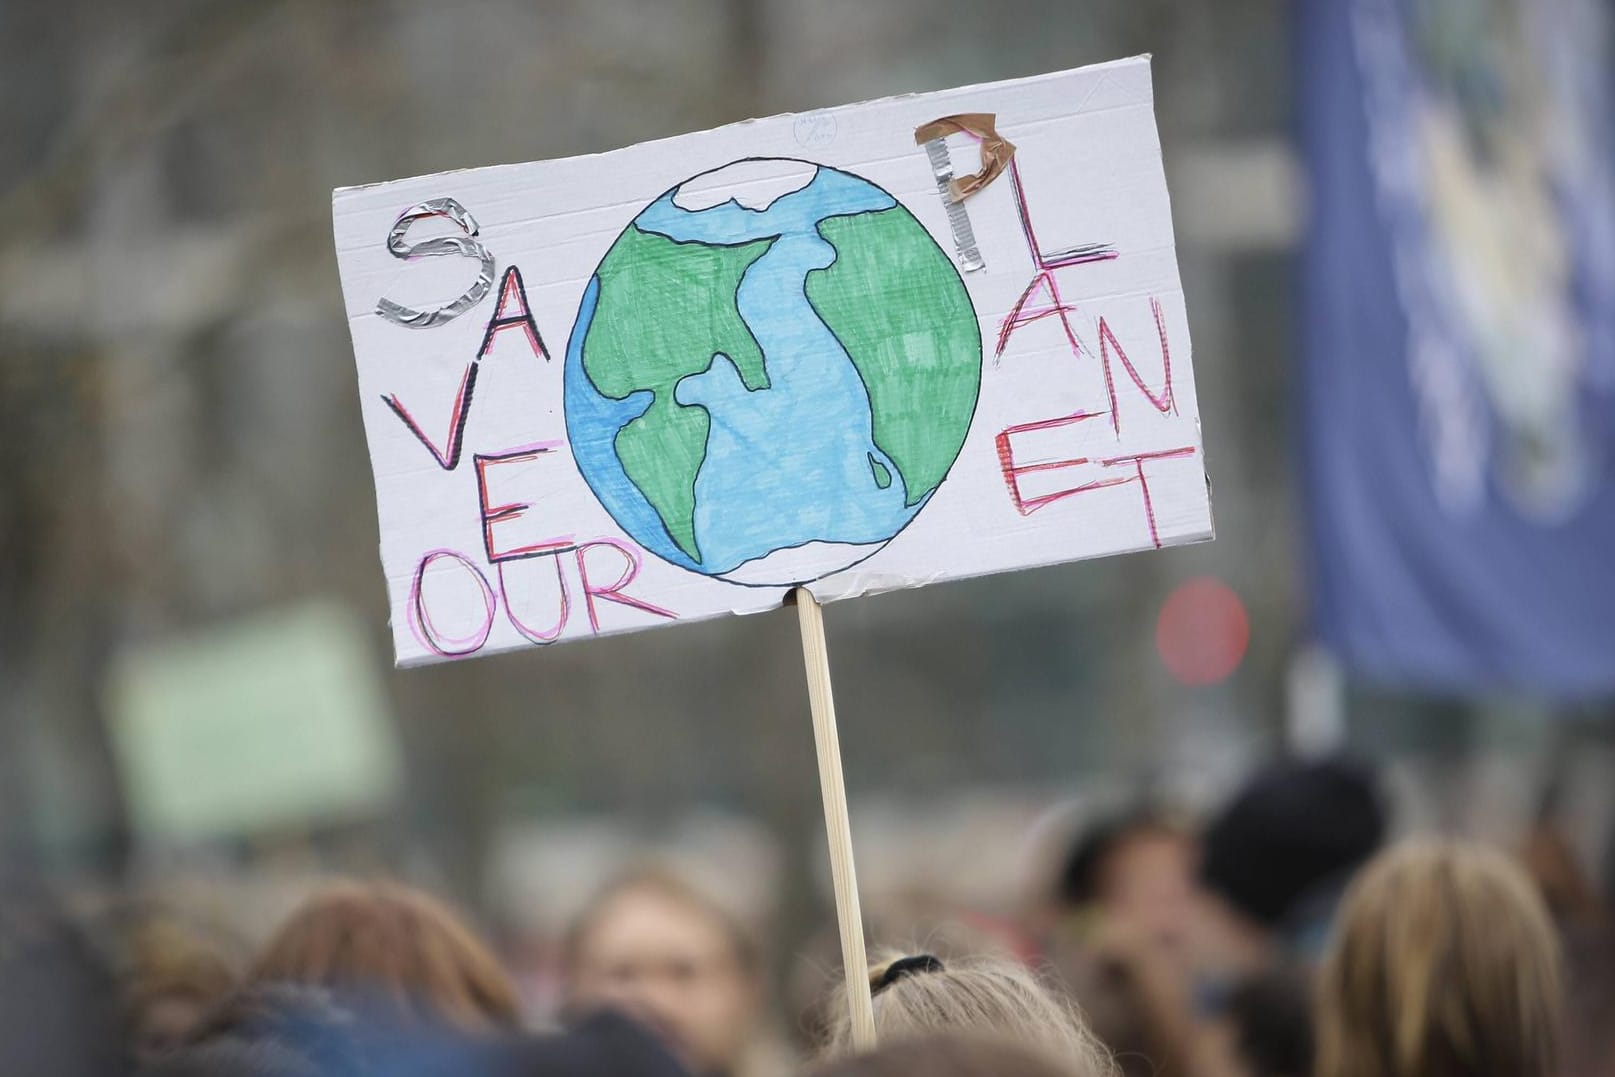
(786, 465)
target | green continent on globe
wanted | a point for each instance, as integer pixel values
(901, 311)
(666, 309)
(883, 477)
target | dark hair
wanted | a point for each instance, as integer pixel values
(605, 1044)
(1293, 828)
(1082, 875)
(1271, 1012)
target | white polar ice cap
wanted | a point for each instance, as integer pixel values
(755, 184)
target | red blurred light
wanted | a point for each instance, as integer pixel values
(1202, 632)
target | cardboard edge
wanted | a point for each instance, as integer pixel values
(1145, 58)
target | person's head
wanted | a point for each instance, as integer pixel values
(390, 942)
(1269, 1015)
(919, 996)
(174, 976)
(1444, 964)
(952, 1055)
(1136, 867)
(1572, 897)
(1274, 859)
(653, 945)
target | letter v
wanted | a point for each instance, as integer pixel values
(450, 459)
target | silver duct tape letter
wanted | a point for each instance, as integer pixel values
(964, 238)
(464, 245)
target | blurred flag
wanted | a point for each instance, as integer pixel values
(1459, 305)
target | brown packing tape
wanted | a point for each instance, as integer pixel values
(995, 149)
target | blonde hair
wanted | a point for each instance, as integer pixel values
(951, 1055)
(398, 942)
(985, 997)
(1444, 964)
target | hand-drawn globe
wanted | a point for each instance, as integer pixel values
(772, 370)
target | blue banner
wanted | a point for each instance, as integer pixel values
(1458, 390)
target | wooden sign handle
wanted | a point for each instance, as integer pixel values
(810, 615)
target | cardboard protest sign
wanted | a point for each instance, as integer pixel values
(872, 347)
(271, 723)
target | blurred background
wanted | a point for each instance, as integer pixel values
(197, 703)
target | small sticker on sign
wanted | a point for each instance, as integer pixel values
(815, 130)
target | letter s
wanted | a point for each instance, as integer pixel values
(436, 246)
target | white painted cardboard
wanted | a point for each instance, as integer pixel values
(1083, 439)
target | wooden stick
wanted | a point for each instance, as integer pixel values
(817, 659)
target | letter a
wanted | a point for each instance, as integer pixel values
(512, 290)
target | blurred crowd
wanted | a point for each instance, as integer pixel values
(1280, 935)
